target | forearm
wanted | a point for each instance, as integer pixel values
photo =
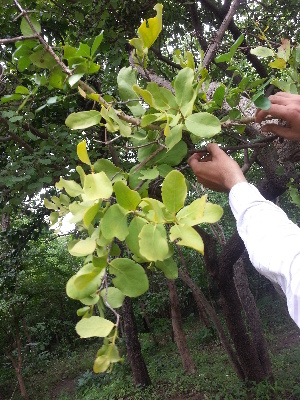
(271, 239)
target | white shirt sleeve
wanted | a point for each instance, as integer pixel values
(271, 239)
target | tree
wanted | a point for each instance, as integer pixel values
(140, 135)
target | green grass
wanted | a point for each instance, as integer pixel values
(215, 378)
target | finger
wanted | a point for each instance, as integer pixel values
(282, 131)
(214, 149)
(294, 97)
(285, 100)
(276, 110)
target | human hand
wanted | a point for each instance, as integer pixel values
(216, 171)
(285, 106)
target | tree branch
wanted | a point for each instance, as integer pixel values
(17, 39)
(217, 40)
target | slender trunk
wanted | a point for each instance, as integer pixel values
(146, 319)
(19, 377)
(18, 364)
(138, 366)
(215, 320)
(201, 309)
(243, 344)
(186, 358)
(252, 315)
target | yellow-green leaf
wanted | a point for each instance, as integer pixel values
(149, 31)
(80, 248)
(174, 191)
(153, 242)
(94, 327)
(278, 63)
(130, 277)
(97, 186)
(82, 153)
(187, 236)
(126, 198)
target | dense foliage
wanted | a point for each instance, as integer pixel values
(102, 118)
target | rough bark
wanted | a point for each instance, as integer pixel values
(221, 269)
(179, 337)
(252, 315)
(134, 352)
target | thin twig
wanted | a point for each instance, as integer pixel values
(17, 39)
(139, 166)
(258, 144)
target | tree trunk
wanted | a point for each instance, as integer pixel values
(252, 315)
(199, 297)
(137, 363)
(19, 377)
(186, 358)
(243, 344)
(220, 268)
(146, 321)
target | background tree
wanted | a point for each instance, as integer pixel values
(143, 148)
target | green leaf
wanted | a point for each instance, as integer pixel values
(278, 63)
(83, 51)
(168, 267)
(183, 85)
(96, 43)
(101, 364)
(57, 78)
(219, 95)
(150, 173)
(203, 124)
(83, 310)
(81, 248)
(88, 293)
(263, 102)
(90, 300)
(145, 94)
(223, 58)
(126, 198)
(154, 208)
(26, 28)
(174, 191)
(236, 44)
(71, 187)
(189, 214)
(130, 277)
(262, 51)
(42, 59)
(83, 119)
(132, 239)
(153, 242)
(189, 237)
(234, 114)
(22, 90)
(75, 78)
(97, 186)
(82, 153)
(54, 217)
(90, 214)
(149, 31)
(127, 77)
(114, 223)
(174, 137)
(114, 297)
(94, 327)
(11, 97)
(23, 63)
(108, 168)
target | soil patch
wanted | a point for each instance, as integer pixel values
(67, 386)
